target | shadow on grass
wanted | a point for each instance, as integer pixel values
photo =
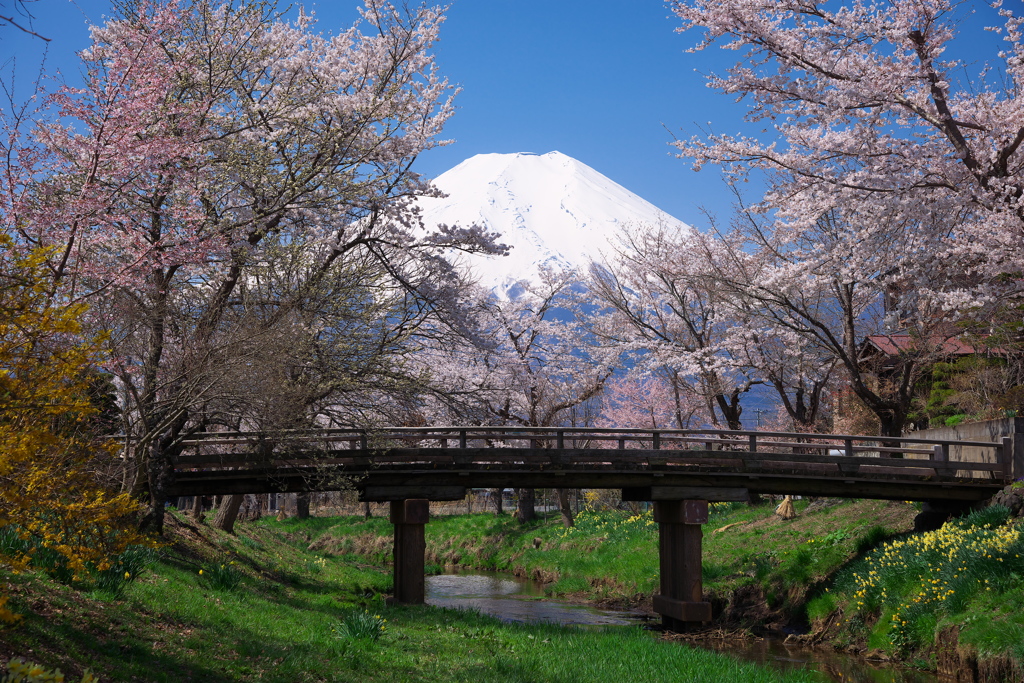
(89, 646)
(163, 649)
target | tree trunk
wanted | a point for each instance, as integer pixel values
(564, 507)
(227, 513)
(891, 422)
(499, 502)
(302, 505)
(891, 413)
(196, 511)
(526, 510)
(252, 509)
(160, 472)
(367, 513)
(731, 409)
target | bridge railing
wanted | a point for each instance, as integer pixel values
(749, 450)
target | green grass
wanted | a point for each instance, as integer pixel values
(303, 600)
(612, 556)
(297, 615)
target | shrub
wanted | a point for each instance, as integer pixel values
(55, 564)
(797, 568)
(763, 563)
(15, 543)
(820, 607)
(991, 516)
(50, 434)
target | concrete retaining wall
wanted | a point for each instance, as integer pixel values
(989, 430)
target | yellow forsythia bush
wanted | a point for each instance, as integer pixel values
(20, 671)
(49, 450)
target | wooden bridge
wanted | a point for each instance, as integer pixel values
(678, 470)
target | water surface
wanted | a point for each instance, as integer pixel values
(510, 598)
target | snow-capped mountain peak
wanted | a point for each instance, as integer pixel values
(550, 208)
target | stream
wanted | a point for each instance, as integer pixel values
(511, 598)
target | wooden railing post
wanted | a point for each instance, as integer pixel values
(940, 456)
(656, 443)
(848, 469)
(1006, 459)
(560, 439)
(752, 443)
(1018, 456)
(462, 438)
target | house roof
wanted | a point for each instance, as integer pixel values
(894, 344)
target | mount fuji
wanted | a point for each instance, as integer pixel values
(550, 208)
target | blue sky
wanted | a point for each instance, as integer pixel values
(605, 81)
(608, 83)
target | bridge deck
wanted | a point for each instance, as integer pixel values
(440, 463)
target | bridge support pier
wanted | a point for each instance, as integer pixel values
(409, 517)
(681, 601)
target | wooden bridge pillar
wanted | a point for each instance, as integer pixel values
(409, 517)
(680, 602)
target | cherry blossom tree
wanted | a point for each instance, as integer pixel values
(207, 141)
(644, 401)
(660, 303)
(550, 365)
(814, 300)
(528, 361)
(333, 356)
(798, 368)
(676, 301)
(867, 115)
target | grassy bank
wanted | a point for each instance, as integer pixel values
(850, 572)
(951, 598)
(275, 604)
(758, 567)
